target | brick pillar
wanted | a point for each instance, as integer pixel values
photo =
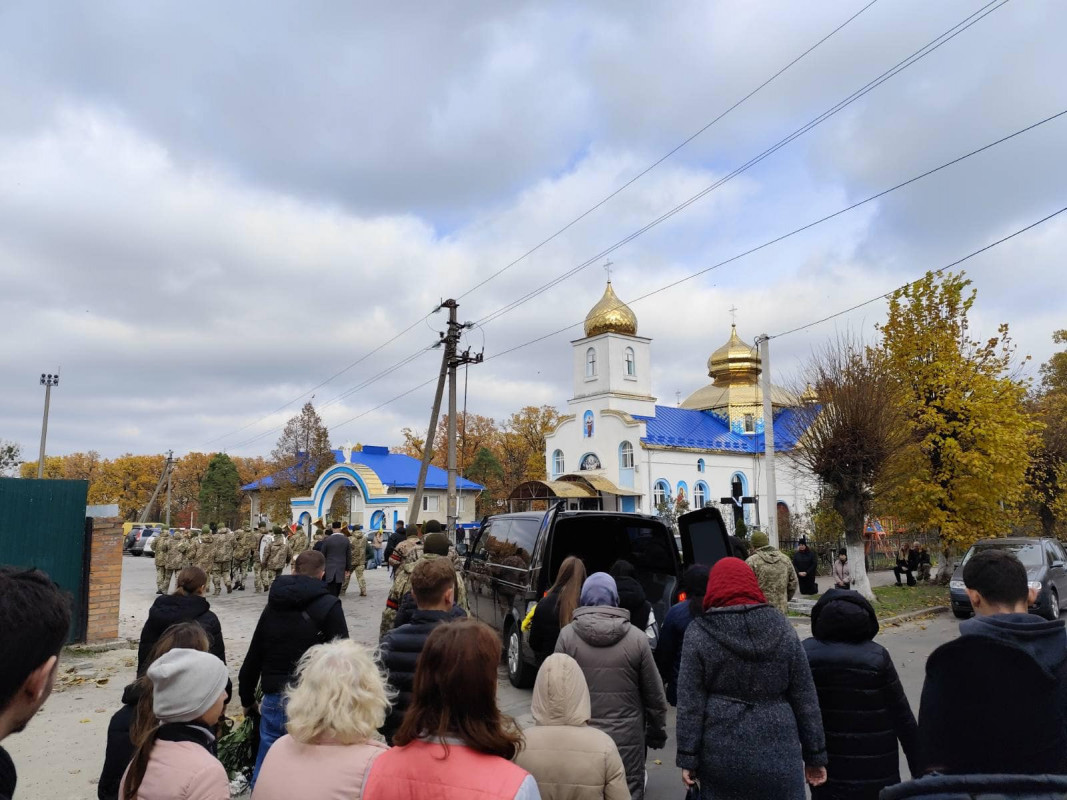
(105, 580)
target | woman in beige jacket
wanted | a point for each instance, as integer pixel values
(568, 759)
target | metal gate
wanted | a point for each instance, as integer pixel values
(43, 525)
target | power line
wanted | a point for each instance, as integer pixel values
(659, 161)
(802, 228)
(955, 263)
(915, 57)
(570, 224)
(785, 333)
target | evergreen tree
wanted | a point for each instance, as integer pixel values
(304, 448)
(219, 498)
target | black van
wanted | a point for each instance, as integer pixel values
(513, 560)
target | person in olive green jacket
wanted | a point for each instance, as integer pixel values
(777, 579)
(160, 549)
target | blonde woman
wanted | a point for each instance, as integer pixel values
(336, 704)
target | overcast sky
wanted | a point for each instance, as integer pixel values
(207, 209)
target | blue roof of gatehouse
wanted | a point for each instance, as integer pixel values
(394, 469)
(703, 430)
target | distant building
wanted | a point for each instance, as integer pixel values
(381, 487)
(617, 449)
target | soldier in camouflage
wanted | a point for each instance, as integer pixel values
(357, 560)
(318, 532)
(411, 548)
(299, 542)
(261, 542)
(188, 548)
(205, 550)
(176, 549)
(276, 556)
(435, 545)
(774, 571)
(160, 549)
(220, 569)
(242, 557)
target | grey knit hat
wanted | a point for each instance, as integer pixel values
(185, 684)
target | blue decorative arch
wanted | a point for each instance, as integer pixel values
(663, 484)
(682, 489)
(344, 473)
(377, 520)
(744, 492)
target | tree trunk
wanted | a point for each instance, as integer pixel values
(946, 567)
(853, 514)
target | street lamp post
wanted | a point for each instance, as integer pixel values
(47, 381)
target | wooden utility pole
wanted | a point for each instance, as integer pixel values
(170, 456)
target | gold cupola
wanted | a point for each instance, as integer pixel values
(734, 362)
(610, 315)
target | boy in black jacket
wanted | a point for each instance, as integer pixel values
(300, 614)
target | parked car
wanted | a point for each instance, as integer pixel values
(1046, 571)
(513, 560)
(143, 536)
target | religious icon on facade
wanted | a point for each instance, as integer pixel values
(587, 422)
(590, 461)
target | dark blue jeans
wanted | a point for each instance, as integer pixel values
(271, 727)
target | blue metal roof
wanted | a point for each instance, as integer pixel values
(394, 469)
(703, 430)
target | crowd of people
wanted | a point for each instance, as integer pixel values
(760, 713)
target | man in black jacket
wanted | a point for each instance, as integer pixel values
(395, 538)
(337, 550)
(433, 584)
(995, 700)
(34, 623)
(300, 613)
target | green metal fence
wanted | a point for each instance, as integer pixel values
(43, 525)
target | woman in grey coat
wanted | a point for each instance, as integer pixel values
(625, 690)
(748, 716)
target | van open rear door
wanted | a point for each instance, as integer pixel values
(704, 537)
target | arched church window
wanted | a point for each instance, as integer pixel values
(626, 456)
(631, 363)
(700, 465)
(750, 423)
(557, 463)
(700, 494)
(590, 362)
(660, 492)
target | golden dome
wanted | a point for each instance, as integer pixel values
(735, 359)
(610, 315)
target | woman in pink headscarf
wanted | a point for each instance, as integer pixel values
(748, 716)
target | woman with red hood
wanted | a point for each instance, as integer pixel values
(748, 716)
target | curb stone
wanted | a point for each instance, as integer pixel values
(913, 614)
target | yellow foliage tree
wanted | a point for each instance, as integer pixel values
(964, 412)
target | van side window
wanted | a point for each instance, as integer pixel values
(512, 543)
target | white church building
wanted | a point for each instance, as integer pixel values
(617, 449)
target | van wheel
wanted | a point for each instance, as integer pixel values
(1053, 604)
(961, 613)
(520, 673)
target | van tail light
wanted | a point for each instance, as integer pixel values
(682, 597)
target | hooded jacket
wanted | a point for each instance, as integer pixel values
(626, 693)
(174, 608)
(299, 614)
(568, 759)
(632, 598)
(864, 709)
(748, 714)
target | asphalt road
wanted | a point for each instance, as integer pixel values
(60, 753)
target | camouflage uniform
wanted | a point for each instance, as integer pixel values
(242, 556)
(257, 556)
(188, 551)
(220, 569)
(408, 550)
(357, 561)
(402, 585)
(317, 537)
(776, 576)
(277, 556)
(161, 549)
(299, 543)
(176, 550)
(205, 552)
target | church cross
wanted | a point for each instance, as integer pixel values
(733, 315)
(607, 268)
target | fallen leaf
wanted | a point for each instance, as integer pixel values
(658, 763)
(102, 681)
(83, 721)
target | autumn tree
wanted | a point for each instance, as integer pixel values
(850, 438)
(1047, 476)
(219, 499)
(485, 469)
(10, 457)
(522, 443)
(128, 480)
(963, 413)
(53, 468)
